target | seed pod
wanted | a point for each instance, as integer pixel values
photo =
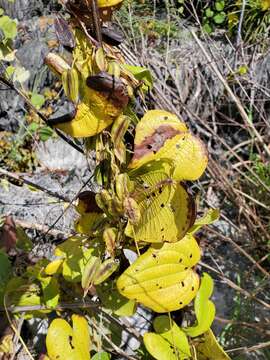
(57, 64)
(110, 238)
(122, 186)
(89, 273)
(112, 36)
(70, 82)
(103, 81)
(118, 131)
(105, 270)
(100, 60)
(114, 69)
(132, 210)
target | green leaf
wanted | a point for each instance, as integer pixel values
(37, 100)
(219, 5)
(210, 217)
(33, 127)
(220, 18)
(22, 293)
(75, 258)
(209, 13)
(45, 132)
(141, 73)
(101, 356)
(204, 308)
(169, 342)
(112, 300)
(8, 26)
(207, 28)
(51, 291)
(1, 11)
(23, 241)
(5, 273)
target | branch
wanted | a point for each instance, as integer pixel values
(36, 186)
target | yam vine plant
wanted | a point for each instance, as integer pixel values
(143, 207)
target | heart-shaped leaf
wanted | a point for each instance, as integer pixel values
(169, 342)
(167, 211)
(64, 342)
(163, 278)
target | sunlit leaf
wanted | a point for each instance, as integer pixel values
(37, 100)
(141, 73)
(204, 308)
(66, 343)
(169, 342)
(51, 291)
(208, 348)
(167, 211)
(53, 267)
(163, 278)
(161, 135)
(8, 26)
(101, 356)
(75, 257)
(210, 217)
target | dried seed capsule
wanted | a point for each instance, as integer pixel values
(112, 36)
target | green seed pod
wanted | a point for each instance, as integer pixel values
(70, 82)
(105, 270)
(89, 273)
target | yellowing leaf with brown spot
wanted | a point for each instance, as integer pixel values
(166, 210)
(92, 116)
(162, 278)
(161, 135)
(65, 343)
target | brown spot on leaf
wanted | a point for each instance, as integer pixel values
(156, 141)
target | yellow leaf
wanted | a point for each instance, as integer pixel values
(91, 118)
(166, 210)
(163, 278)
(108, 3)
(53, 267)
(160, 135)
(87, 221)
(65, 343)
(209, 349)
